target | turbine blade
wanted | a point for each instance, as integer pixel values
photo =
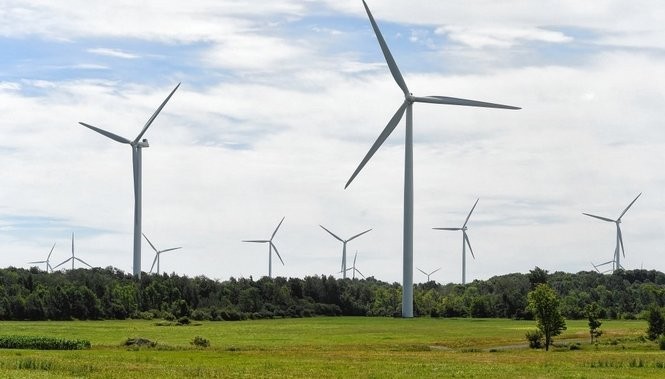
(457, 101)
(154, 115)
(277, 228)
(621, 240)
(595, 267)
(466, 239)
(358, 235)
(50, 252)
(153, 262)
(110, 135)
(358, 271)
(598, 217)
(453, 229)
(435, 270)
(63, 262)
(469, 216)
(354, 259)
(331, 233)
(72, 244)
(82, 261)
(171, 249)
(38, 262)
(628, 207)
(150, 243)
(278, 256)
(387, 55)
(421, 271)
(379, 141)
(257, 241)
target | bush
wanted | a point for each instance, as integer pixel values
(183, 321)
(42, 343)
(661, 343)
(200, 342)
(535, 338)
(139, 342)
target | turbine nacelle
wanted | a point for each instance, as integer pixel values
(143, 143)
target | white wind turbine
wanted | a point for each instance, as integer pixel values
(271, 246)
(72, 258)
(343, 271)
(48, 260)
(428, 275)
(465, 241)
(157, 253)
(616, 262)
(354, 269)
(407, 105)
(137, 145)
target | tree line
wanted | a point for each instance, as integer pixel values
(108, 293)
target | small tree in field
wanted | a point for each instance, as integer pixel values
(656, 321)
(543, 302)
(592, 312)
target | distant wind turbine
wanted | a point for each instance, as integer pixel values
(465, 241)
(271, 246)
(407, 106)
(157, 253)
(354, 269)
(428, 275)
(48, 260)
(344, 247)
(72, 258)
(600, 265)
(619, 244)
(137, 144)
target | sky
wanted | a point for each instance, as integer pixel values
(280, 100)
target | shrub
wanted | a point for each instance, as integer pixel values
(661, 343)
(183, 321)
(535, 338)
(200, 342)
(42, 343)
(139, 342)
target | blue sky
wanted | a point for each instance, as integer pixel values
(280, 101)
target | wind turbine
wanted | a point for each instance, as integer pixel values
(158, 253)
(271, 246)
(465, 241)
(47, 261)
(617, 257)
(137, 144)
(344, 247)
(407, 106)
(428, 275)
(602, 264)
(72, 258)
(354, 269)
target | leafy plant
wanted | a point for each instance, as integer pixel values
(200, 342)
(535, 338)
(42, 343)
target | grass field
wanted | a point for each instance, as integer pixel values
(334, 347)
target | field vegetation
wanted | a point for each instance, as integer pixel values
(330, 347)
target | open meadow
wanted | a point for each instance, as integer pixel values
(329, 347)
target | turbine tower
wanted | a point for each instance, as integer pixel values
(271, 246)
(137, 144)
(47, 261)
(354, 269)
(465, 241)
(616, 261)
(72, 258)
(428, 275)
(157, 253)
(407, 106)
(344, 247)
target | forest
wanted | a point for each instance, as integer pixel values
(108, 293)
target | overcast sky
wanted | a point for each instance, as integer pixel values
(280, 101)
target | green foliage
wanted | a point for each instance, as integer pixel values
(544, 304)
(535, 338)
(656, 321)
(199, 341)
(42, 343)
(138, 342)
(592, 313)
(661, 343)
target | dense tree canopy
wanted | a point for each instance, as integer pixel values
(112, 294)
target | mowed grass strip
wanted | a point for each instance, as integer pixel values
(333, 347)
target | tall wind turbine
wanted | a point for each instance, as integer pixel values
(271, 246)
(617, 257)
(137, 144)
(72, 258)
(158, 253)
(407, 106)
(48, 260)
(344, 247)
(354, 268)
(465, 241)
(428, 275)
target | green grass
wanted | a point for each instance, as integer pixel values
(334, 347)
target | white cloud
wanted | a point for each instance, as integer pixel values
(501, 37)
(115, 53)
